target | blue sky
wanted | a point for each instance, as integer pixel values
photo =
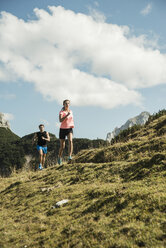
(108, 57)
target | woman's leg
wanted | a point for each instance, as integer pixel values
(62, 147)
(70, 141)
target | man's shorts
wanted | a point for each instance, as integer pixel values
(43, 148)
(64, 132)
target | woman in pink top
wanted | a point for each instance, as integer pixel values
(66, 129)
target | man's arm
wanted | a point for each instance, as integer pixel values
(48, 137)
(34, 138)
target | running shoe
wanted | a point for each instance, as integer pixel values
(59, 161)
(69, 159)
(40, 167)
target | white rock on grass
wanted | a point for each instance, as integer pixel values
(60, 203)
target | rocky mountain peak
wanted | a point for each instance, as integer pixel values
(137, 120)
(3, 122)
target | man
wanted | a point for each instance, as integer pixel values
(42, 137)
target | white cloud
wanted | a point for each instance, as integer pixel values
(79, 57)
(8, 116)
(147, 9)
(96, 15)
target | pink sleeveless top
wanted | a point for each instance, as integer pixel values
(68, 122)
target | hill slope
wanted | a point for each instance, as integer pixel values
(132, 145)
(116, 196)
(6, 135)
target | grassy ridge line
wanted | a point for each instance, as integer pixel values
(104, 209)
(132, 132)
(145, 142)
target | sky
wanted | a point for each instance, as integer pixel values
(108, 57)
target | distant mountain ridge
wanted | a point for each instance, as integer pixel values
(137, 120)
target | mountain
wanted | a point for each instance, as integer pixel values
(137, 120)
(6, 135)
(10, 154)
(3, 122)
(112, 197)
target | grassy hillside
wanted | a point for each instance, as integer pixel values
(116, 196)
(145, 144)
(104, 209)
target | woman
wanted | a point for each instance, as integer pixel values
(66, 129)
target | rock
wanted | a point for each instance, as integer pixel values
(3, 122)
(60, 203)
(137, 120)
(59, 184)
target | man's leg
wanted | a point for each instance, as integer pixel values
(44, 155)
(40, 158)
(43, 159)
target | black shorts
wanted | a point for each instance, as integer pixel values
(63, 132)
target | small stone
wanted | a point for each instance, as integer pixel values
(60, 203)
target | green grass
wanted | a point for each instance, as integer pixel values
(116, 195)
(105, 208)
